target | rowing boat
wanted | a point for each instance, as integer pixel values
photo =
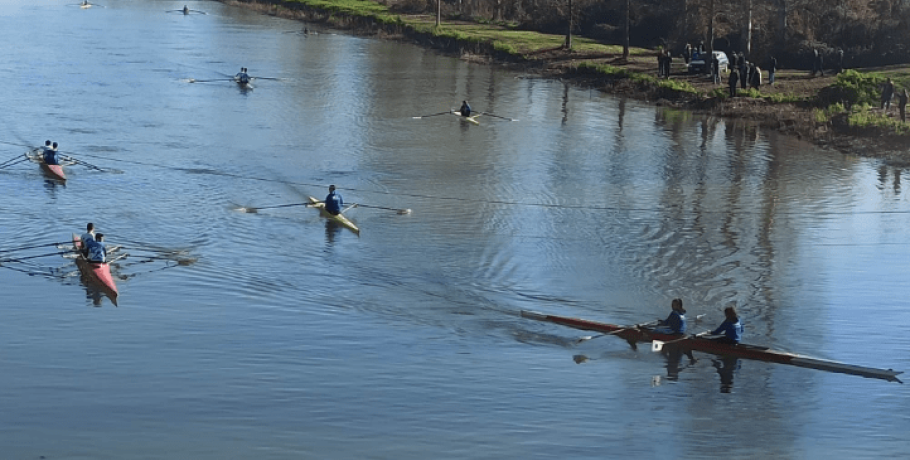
(471, 119)
(98, 273)
(53, 171)
(338, 218)
(635, 335)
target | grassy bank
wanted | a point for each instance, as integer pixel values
(817, 107)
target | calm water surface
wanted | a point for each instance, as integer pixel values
(282, 336)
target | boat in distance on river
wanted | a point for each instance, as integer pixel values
(633, 335)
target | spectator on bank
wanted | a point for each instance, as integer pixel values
(772, 68)
(743, 71)
(902, 105)
(887, 95)
(756, 77)
(715, 69)
(660, 63)
(733, 81)
(814, 62)
(821, 64)
(668, 61)
(840, 60)
(687, 53)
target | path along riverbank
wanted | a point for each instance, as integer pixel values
(839, 111)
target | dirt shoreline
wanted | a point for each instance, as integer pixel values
(791, 118)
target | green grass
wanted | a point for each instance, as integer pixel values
(863, 117)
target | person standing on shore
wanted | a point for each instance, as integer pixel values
(715, 69)
(821, 64)
(814, 62)
(902, 105)
(772, 68)
(687, 54)
(733, 81)
(887, 95)
(743, 71)
(840, 60)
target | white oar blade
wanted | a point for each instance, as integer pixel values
(657, 345)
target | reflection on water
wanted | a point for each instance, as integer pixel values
(726, 366)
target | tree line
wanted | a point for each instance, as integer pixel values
(869, 32)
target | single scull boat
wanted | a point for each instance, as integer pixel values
(634, 335)
(472, 118)
(338, 218)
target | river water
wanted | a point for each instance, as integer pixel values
(278, 335)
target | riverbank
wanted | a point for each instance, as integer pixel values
(834, 111)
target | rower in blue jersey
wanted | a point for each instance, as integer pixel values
(333, 202)
(676, 322)
(465, 109)
(50, 155)
(731, 329)
(88, 238)
(242, 77)
(97, 252)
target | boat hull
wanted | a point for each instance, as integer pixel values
(339, 218)
(97, 274)
(53, 171)
(471, 119)
(635, 335)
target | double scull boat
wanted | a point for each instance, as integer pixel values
(633, 335)
(53, 171)
(99, 273)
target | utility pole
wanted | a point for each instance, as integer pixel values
(625, 33)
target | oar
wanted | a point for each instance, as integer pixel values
(618, 331)
(31, 247)
(253, 210)
(193, 80)
(20, 259)
(399, 211)
(7, 164)
(266, 78)
(432, 115)
(497, 116)
(87, 165)
(657, 345)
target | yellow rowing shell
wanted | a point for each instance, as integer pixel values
(339, 218)
(472, 118)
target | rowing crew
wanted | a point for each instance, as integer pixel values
(49, 153)
(93, 247)
(242, 77)
(730, 330)
(333, 202)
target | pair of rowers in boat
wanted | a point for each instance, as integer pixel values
(730, 331)
(93, 247)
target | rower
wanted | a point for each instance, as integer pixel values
(676, 322)
(731, 329)
(47, 146)
(333, 202)
(96, 251)
(465, 109)
(88, 238)
(186, 10)
(50, 155)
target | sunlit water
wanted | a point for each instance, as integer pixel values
(281, 335)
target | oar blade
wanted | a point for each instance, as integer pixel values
(657, 345)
